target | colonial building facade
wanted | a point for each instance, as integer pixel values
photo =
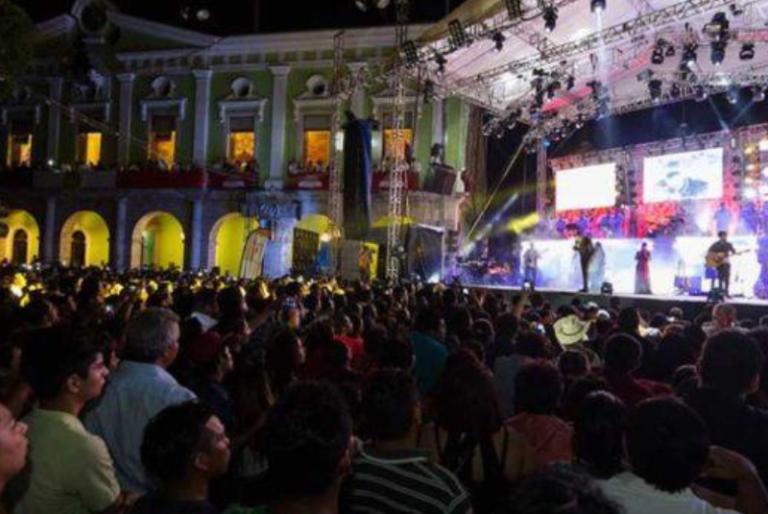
(135, 143)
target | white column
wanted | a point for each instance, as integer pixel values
(279, 102)
(438, 122)
(358, 96)
(49, 235)
(126, 112)
(120, 242)
(54, 119)
(196, 251)
(202, 114)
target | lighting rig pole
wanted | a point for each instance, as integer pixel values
(336, 180)
(397, 175)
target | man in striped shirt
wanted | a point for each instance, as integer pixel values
(389, 474)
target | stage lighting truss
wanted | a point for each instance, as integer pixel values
(610, 36)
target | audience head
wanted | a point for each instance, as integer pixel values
(629, 320)
(466, 397)
(598, 434)
(13, 446)
(390, 405)
(731, 363)
(560, 489)
(667, 444)
(57, 363)
(152, 337)
(622, 353)
(724, 314)
(185, 442)
(538, 388)
(573, 364)
(306, 441)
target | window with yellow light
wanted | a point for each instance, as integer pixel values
(89, 148)
(242, 140)
(317, 140)
(394, 146)
(19, 150)
(162, 141)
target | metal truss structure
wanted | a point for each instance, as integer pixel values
(658, 19)
(335, 179)
(397, 175)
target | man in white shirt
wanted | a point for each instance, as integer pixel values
(137, 391)
(668, 448)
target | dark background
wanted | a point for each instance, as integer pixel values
(240, 16)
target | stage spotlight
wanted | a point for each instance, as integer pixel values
(457, 36)
(689, 55)
(550, 18)
(411, 53)
(732, 95)
(365, 5)
(758, 94)
(701, 93)
(718, 52)
(657, 57)
(654, 89)
(675, 92)
(670, 50)
(747, 52)
(606, 288)
(598, 6)
(498, 41)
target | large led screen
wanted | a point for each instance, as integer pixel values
(586, 188)
(683, 176)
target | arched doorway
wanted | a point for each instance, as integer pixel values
(157, 241)
(226, 242)
(22, 245)
(84, 240)
(79, 249)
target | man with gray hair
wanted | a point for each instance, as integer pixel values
(139, 389)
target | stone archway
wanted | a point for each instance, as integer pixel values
(88, 229)
(21, 226)
(157, 241)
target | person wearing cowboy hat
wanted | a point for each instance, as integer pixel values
(572, 332)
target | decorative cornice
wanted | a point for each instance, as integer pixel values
(254, 107)
(149, 104)
(55, 27)
(301, 103)
(36, 110)
(105, 107)
(280, 71)
(202, 74)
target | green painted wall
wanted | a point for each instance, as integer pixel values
(456, 124)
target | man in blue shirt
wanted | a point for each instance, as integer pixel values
(429, 352)
(137, 391)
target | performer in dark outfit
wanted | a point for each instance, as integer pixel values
(643, 270)
(718, 256)
(585, 248)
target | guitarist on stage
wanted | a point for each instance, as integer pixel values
(718, 254)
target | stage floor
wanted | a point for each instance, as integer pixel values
(691, 305)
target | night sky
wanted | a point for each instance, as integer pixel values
(237, 16)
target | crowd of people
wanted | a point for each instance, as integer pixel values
(170, 393)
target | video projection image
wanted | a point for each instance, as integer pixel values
(586, 188)
(683, 176)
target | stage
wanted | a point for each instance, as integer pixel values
(691, 305)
